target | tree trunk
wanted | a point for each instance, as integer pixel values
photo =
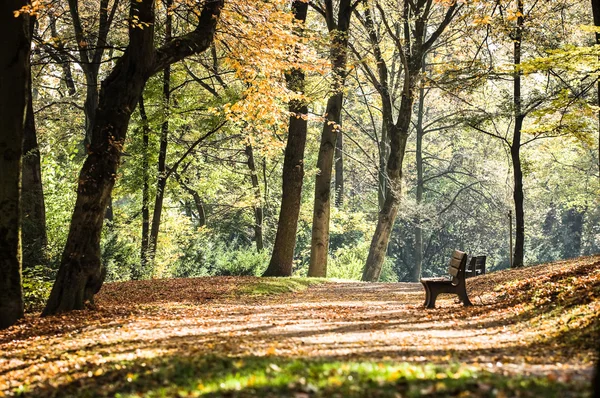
(338, 53)
(137, 274)
(257, 207)
(161, 183)
(416, 271)
(413, 60)
(339, 169)
(90, 104)
(398, 137)
(515, 148)
(81, 274)
(293, 170)
(15, 77)
(596, 13)
(320, 230)
(34, 235)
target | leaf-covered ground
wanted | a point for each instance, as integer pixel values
(530, 333)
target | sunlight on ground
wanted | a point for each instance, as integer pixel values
(347, 323)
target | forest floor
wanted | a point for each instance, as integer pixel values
(530, 333)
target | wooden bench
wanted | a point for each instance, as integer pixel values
(454, 285)
(476, 266)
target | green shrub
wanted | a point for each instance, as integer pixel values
(37, 283)
(348, 262)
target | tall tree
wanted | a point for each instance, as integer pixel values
(412, 49)
(338, 52)
(293, 167)
(257, 206)
(515, 145)
(15, 78)
(81, 273)
(35, 238)
(161, 182)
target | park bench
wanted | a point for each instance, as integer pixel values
(455, 284)
(476, 266)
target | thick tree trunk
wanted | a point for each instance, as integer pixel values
(515, 148)
(416, 271)
(257, 207)
(322, 206)
(81, 274)
(14, 91)
(34, 235)
(293, 170)
(339, 169)
(137, 274)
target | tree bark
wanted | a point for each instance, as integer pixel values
(15, 77)
(81, 273)
(416, 271)
(339, 169)
(256, 207)
(515, 148)
(161, 182)
(137, 274)
(339, 53)
(34, 235)
(293, 169)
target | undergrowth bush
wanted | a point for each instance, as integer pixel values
(347, 262)
(37, 284)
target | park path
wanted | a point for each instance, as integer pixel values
(345, 321)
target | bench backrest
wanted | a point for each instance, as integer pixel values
(456, 269)
(476, 266)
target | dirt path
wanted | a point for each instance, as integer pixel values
(139, 321)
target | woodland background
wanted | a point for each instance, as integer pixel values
(199, 188)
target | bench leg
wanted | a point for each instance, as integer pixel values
(462, 294)
(427, 294)
(432, 297)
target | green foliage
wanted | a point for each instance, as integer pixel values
(348, 262)
(205, 257)
(37, 284)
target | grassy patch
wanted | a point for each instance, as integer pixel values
(271, 286)
(274, 377)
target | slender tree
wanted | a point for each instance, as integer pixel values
(256, 207)
(81, 273)
(35, 238)
(338, 52)
(14, 91)
(161, 182)
(596, 14)
(412, 49)
(293, 168)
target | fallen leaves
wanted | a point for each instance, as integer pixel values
(533, 321)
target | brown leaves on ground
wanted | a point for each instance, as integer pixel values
(539, 320)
